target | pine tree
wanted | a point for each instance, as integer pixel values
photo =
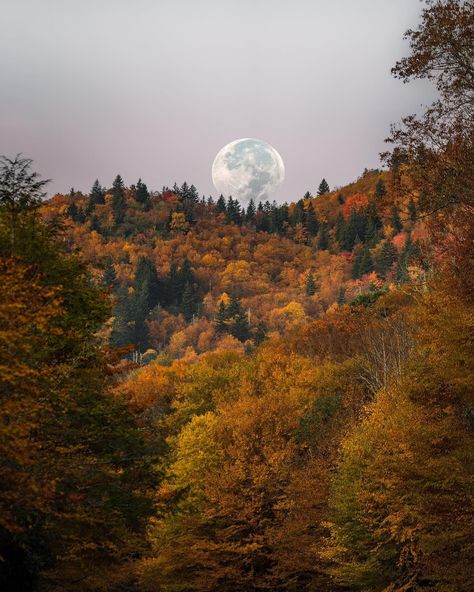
(239, 326)
(221, 318)
(341, 296)
(251, 211)
(299, 213)
(109, 278)
(323, 242)
(188, 303)
(380, 190)
(221, 207)
(233, 211)
(118, 200)
(387, 256)
(340, 199)
(141, 192)
(395, 221)
(260, 333)
(96, 197)
(366, 263)
(323, 187)
(311, 220)
(147, 281)
(340, 228)
(310, 284)
(72, 212)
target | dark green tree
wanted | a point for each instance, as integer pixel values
(323, 240)
(311, 220)
(221, 318)
(380, 189)
(118, 200)
(21, 191)
(323, 187)
(141, 192)
(251, 212)
(221, 207)
(310, 284)
(189, 303)
(386, 258)
(395, 221)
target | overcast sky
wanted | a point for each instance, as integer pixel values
(154, 88)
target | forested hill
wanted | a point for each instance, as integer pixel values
(190, 274)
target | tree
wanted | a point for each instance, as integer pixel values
(323, 242)
(74, 498)
(323, 187)
(412, 209)
(189, 302)
(96, 197)
(310, 284)
(221, 207)
(380, 190)
(251, 211)
(21, 191)
(395, 221)
(118, 200)
(141, 192)
(221, 318)
(438, 145)
(311, 220)
(386, 257)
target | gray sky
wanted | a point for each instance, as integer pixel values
(154, 88)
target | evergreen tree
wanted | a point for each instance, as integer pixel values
(141, 192)
(260, 333)
(239, 326)
(299, 213)
(395, 221)
(340, 199)
(387, 256)
(221, 318)
(185, 276)
(233, 211)
(340, 228)
(109, 278)
(147, 282)
(366, 263)
(118, 200)
(310, 284)
(173, 285)
(311, 221)
(380, 190)
(221, 207)
(95, 224)
(72, 212)
(323, 241)
(189, 302)
(251, 211)
(323, 187)
(96, 197)
(341, 296)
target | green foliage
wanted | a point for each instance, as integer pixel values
(323, 187)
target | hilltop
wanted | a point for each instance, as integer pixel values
(189, 274)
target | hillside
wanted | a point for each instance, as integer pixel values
(190, 275)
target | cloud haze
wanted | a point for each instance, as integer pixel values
(154, 89)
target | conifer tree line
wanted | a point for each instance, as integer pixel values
(361, 233)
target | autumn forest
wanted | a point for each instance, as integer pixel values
(201, 396)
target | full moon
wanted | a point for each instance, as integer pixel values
(248, 169)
